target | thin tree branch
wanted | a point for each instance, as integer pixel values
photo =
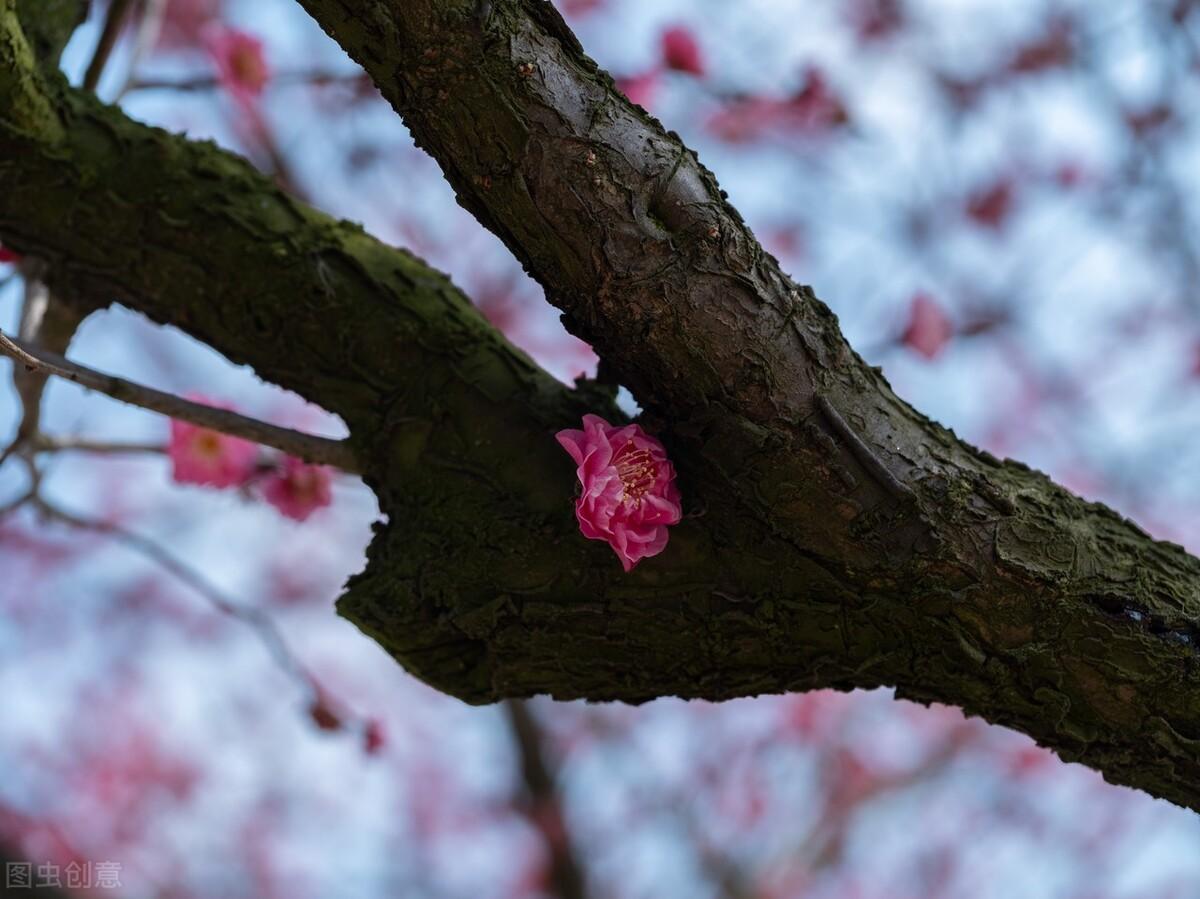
(260, 623)
(108, 39)
(51, 324)
(566, 874)
(211, 82)
(308, 447)
(49, 444)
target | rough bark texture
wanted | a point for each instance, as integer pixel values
(835, 538)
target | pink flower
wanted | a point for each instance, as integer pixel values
(241, 65)
(202, 456)
(184, 20)
(992, 205)
(629, 493)
(640, 89)
(297, 489)
(929, 328)
(876, 19)
(681, 52)
(816, 107)
(814, 111)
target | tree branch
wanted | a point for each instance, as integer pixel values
(977, 583)
(51, 444)
(114, 19)
(308, 447)
(545, 811)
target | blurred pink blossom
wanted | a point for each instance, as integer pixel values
(640, 89)
(241, 64)
(297, 488)
(203, 456)
(681, 52)
(874, 20)
(7, 255)
(816, 106)
(374, 738)
(1054, 48)
(929, 329)
(629, 493)
(815, 110)
(580, 7)
(992, 204)
(184, 20)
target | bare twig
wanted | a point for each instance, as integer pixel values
(44, 443)
(262, 625)
(211, 82)
(566, 874)
(10, 507)
(308, 447)
(108, 39)
(51, 324)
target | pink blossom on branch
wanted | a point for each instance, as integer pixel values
(629, 495)
(297, 488)
(203, 456)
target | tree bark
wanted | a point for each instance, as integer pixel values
(834, 536)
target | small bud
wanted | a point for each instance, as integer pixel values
(323, 716)
(373, 737)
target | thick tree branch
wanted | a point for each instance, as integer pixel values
(883, 549)
(49, 24)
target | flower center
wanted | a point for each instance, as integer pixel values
(636, 470)
(303, 487)
(207, 445)
(247, 68)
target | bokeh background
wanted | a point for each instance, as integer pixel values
(999, 199)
